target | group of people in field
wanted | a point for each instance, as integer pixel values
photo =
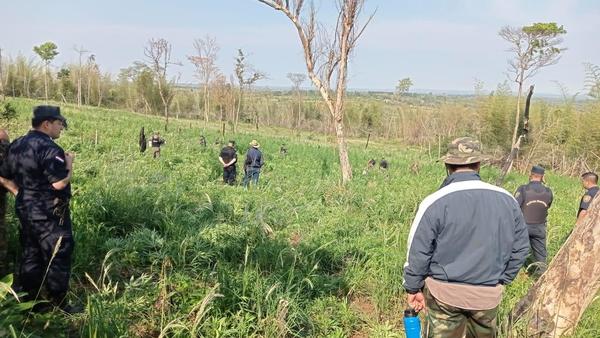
(468, 240)
(227, 157)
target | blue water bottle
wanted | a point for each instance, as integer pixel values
(412, 324)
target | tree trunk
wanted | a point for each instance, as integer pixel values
(237, 111)
(46, 83)
(517, 113)
(555, 304)
(206, 104)
(343, 152)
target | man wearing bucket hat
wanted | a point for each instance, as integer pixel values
(42, 170)
(253, 163)
(535, 199)
(467, 241)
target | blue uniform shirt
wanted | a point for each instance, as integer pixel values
(34, 162)
(587, 198)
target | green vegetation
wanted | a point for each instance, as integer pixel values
(163, 247)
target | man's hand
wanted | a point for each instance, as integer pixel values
(416, 301)
(69, 157)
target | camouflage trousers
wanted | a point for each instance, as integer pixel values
(445, 321)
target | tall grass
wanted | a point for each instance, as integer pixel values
(164, 248)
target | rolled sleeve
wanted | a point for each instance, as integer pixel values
(55, 165)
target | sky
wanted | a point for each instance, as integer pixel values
(440, 45)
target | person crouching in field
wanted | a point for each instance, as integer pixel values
(254, 161)
(228, 159)
(467, 241)
(156, 142)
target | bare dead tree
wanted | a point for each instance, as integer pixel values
(297, 80)
(158, 53)
(246, 76)
(326, 58)
(91, 68)
(508, 162)
(81, 51)
(206, 68)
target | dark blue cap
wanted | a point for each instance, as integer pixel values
(536, 169)
(48, 113)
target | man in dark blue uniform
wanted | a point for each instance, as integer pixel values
(43, 171)
(535, 199)
(589, 181)
(228, 159)
(253, 163)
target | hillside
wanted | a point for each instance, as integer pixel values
(163, 247)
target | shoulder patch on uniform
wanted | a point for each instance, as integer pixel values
(587, 198)
(59, 158)
(517, 194)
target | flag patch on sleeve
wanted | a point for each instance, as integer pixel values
(59, 158)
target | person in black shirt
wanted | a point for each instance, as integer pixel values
(228, 159)
(535, 199)
(156, 142)
(384, 164)
(42, 170)
(253, 163)
(589, 181)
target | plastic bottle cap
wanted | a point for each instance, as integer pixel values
(410, 313)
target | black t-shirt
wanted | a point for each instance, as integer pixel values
(587, 198)
(227, 154)
(535, 199)
(34, 162)
(156, 141)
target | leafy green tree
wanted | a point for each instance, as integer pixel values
(403, 86)
(47, 52)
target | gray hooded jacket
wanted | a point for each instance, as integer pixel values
(468, 232)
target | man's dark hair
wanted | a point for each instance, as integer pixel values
(590, 176)
(455, 167)
(36, 122)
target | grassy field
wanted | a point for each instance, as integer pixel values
(164, 248)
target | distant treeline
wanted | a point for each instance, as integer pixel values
(564, 135)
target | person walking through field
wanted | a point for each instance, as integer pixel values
(253, 163)
(467, 241)
(535, 199)
(156, 142)
(228, 159)
(43, 170)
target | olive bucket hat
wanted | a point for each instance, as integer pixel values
(463, 150)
